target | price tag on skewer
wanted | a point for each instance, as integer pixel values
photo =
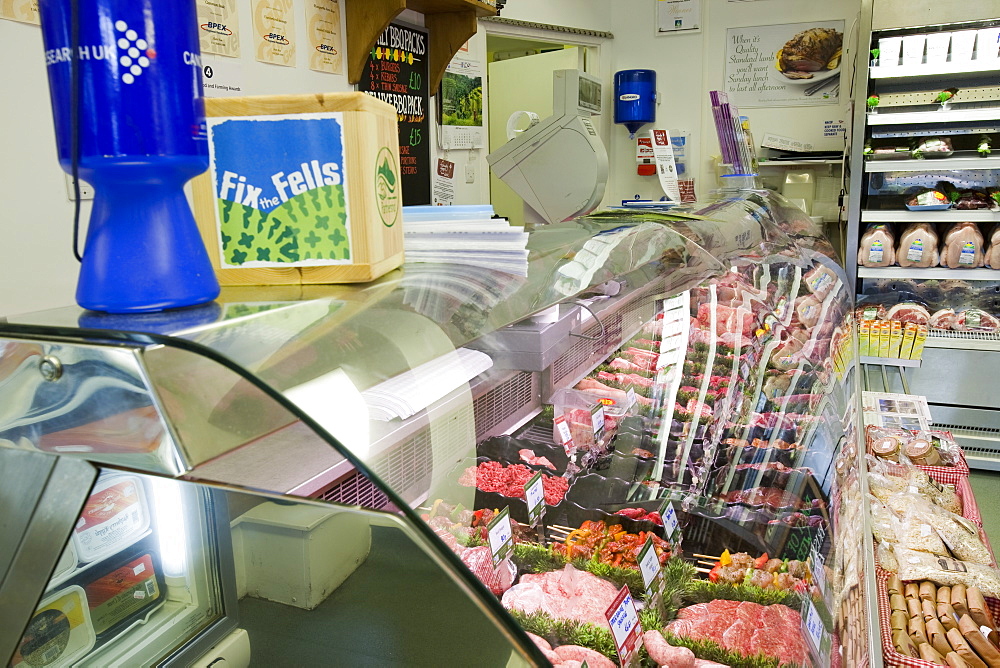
(534, 494)
(624, 622)
(501, 536)
(565, 436)
(649, 566)
(671, 525)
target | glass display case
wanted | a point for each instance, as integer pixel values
(674, 392)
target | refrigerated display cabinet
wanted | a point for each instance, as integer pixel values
(340, 454)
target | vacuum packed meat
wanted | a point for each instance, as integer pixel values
(480, 562)
(877, 247)
(975, 320)
(918, 246)
(943, 319)
(909, 312)
(963, 247)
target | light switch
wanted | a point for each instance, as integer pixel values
(86, 190)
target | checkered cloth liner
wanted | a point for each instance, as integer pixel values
(889, 653)
(946, 475)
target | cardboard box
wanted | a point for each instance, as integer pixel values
(918, 342)
(885, 330)
(909, 334)
(301, 189)
(895, 337)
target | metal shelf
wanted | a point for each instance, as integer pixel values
(979, 274)
(797, 163)
(931, 164)
(940, 116)
(982, 341)
(934, 70)
(947, 216)
(889, 361)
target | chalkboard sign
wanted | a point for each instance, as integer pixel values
(397, 72)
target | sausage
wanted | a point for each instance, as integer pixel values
(665, 654)
(540, 641)
(577, 653)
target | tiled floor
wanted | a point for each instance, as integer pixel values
(986, 485)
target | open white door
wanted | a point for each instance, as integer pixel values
(521, 84)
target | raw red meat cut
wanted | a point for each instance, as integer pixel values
(529, 457)
(909, 312)
(510, 480)
(565, 594)
(943, 319)
(480, 562)
(727, 319)
(747, 628)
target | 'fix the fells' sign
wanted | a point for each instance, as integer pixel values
(397, 73)
(281, 190)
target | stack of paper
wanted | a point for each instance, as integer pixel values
(412, 391)
(464, 235)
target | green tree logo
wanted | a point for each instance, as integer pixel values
(387, 199)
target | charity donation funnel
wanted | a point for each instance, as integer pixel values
(140, 127)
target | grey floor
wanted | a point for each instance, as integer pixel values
(986, 485)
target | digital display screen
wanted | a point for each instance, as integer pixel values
(590, 95)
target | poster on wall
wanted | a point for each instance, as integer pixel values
(219, 27)
(397, 73)
(677, 15)
(461, 102)
(274, 31)
(323, 29)
(25, 11)
(788, 65)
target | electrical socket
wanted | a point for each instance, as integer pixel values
(86, 190)
(470, 173)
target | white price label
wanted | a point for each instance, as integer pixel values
(565, 436)
(501, 536)
(817, 569)
(630, 397)
(597, 419)
(673, 328)
(814, 625)
(649, 564)
(675, 302)
(534, 494)
(670, 521)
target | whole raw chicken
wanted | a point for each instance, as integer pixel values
(877, 248)
(918, 246)
(963, 247)
(809, 51)
(993, 251)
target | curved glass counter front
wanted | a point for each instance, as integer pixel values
(680, 380)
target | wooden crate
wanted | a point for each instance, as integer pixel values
(274, 192)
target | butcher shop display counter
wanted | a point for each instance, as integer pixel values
(640, 449)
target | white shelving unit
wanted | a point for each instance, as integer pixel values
(947, 216)
(797, 163)
(929, 273)
(932, 164)
(937, 116)
(905, 72)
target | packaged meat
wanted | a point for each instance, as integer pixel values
(975, 320)
(808, 309)
(933, 147)
(870, 312)
(59, 633)
(115, 516)
(963, 247)
(909, 312)
(480, 562)
(993, 249)
(943, 319)
(877, 247)
(971, 200)
(928, 200)
(126, 593)
(918, 246)
(821, 280)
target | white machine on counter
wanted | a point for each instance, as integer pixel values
(558, 166)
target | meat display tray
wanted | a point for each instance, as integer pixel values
(505, 449)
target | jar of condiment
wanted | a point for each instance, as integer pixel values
(886, 447)
(921, 451)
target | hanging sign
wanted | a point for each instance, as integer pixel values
(397, 72)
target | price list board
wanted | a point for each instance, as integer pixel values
(397, 73)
